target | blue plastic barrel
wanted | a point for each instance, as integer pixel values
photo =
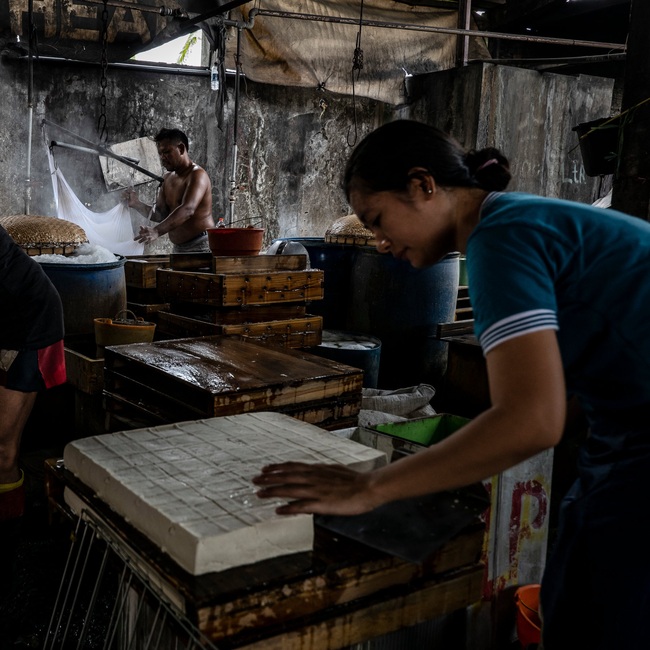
(402, 307)
(88, 291)
(335, 260)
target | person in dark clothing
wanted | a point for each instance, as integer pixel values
(31, 358)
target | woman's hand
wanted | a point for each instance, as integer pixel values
(317, 489)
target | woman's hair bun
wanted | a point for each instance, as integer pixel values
(489, 168)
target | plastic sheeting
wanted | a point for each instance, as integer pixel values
(296, 52)
(282, 51)
(111, 230)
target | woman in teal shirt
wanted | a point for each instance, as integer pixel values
(560, 293)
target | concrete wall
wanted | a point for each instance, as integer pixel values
(291, 151)
(292, 143)
(526, 114)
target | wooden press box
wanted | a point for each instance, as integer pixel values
(147, 384)
(140, 278)
(259, 297)
(245, 280)
(140, 270)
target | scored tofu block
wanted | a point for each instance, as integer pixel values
(187, 486)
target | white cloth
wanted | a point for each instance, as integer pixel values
(382, 406)
(111, 230)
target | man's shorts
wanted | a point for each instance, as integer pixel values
(198, 244)
(35, 370)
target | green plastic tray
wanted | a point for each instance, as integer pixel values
(424, 431)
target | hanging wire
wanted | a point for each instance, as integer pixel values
(357, 65)
(101, 122)
(218, 58)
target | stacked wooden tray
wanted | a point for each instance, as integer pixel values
(148, 384)
(258, 297)
(141, 293)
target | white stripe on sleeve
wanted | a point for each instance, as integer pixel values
(516, 325)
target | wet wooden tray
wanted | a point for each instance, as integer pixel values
(291, 333)
(136, 407)
(146, 311)
(221, 375)
(140, 270)
(239, 315)
(84, 369)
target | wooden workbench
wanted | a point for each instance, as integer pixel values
(341, 593)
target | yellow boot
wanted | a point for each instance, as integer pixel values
(12, 499)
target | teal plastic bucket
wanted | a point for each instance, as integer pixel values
(88, 291)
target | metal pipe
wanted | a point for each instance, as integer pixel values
(161, 68)
(568, 60)
(223, 9)
(63, 145)
(30, 108)
(233, 184)
(233, 177)
(162, 11)
(442, 30)
(107, 152)
(464, 22)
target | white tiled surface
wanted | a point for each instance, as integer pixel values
(187, 485)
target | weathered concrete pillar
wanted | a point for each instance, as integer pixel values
(631, 189)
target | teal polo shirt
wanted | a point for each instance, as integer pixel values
(537, 263)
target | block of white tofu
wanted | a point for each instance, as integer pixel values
(187, 486)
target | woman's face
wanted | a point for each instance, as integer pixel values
(413, 225)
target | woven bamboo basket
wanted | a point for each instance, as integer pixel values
(349, 230)
(38, 235)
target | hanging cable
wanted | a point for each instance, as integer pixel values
(357, 65)
(218, 36)
(101, 122)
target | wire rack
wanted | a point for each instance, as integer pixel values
(108, 600)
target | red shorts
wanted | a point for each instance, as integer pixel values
(34, 370)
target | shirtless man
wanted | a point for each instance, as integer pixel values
(183, 206)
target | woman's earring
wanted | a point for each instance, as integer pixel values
(429, 191)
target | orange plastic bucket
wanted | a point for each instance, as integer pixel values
(121, 331)
(235, 241)
(529, 624)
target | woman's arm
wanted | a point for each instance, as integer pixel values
(526, 417)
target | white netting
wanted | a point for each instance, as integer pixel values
(111, 230)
